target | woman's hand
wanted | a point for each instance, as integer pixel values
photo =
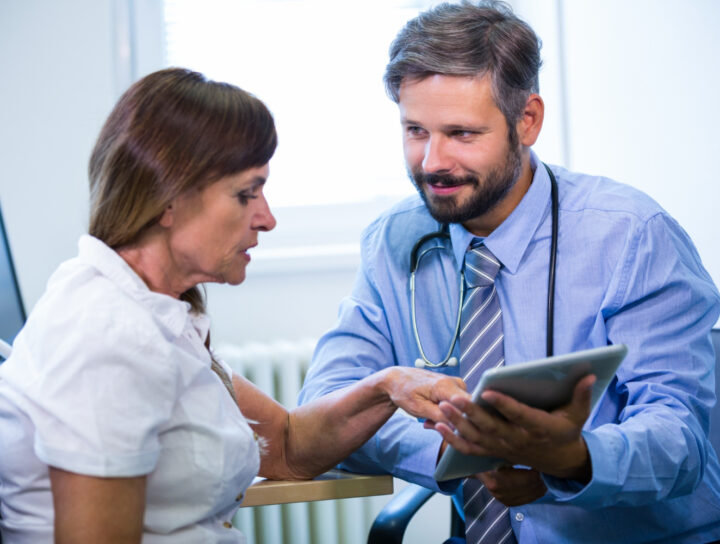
(419, 392)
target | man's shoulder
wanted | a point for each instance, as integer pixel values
(388, 240)
(401, 221)
(585, 193)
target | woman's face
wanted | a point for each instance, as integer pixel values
(212, 229)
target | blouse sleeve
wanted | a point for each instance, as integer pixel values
(103, 387)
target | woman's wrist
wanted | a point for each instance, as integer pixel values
(387, 380)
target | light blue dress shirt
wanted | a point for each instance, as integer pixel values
(626, 273)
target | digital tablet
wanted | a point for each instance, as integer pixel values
(546, 384)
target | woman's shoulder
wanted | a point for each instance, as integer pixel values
(84, 319)
(81, 302)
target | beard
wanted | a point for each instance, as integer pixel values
(487, 192)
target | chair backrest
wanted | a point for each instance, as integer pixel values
(12, 310)
(715, 412)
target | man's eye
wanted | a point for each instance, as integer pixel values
(415, 131)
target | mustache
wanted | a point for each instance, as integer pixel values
(443, 180)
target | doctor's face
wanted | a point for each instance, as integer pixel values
(213, 228)
(457, 146)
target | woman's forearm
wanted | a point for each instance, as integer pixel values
(315, 437)
(325, 431)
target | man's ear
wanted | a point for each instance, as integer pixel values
(530, 123)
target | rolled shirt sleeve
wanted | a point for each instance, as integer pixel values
(662, 304)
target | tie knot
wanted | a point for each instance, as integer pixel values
(481, 266)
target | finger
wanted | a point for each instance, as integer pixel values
(478, 415)
(463, 425)
(432, 412)
(421, 408)
(458, 442)
(582, 394)
(532, 419)
(430, 424)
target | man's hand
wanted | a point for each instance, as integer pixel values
(549, 442)
(513, 486)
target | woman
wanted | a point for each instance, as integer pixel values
(117, 424)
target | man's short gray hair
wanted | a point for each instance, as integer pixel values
(469, 39)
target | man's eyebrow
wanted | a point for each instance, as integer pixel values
(451, 126)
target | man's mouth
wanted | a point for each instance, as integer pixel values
(442, 181)
(443, 190)
(446, 183)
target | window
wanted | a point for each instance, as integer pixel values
(318, 65)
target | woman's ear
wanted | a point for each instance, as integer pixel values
(167, 217)
(530, 123)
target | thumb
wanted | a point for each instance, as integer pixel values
(582, 394)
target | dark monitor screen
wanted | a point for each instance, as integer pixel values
(12, 311)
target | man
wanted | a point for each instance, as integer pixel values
(640, 469)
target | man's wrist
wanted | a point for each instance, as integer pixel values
(579, 465)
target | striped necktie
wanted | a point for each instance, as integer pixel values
(487, 521)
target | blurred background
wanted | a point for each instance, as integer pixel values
(630, 88)
(629, 85)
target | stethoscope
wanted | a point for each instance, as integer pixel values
(416, 256)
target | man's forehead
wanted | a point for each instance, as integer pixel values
(447, 96)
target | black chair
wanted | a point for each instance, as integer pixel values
(392, 521)
(12, 310)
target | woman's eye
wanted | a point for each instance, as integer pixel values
(244, 197)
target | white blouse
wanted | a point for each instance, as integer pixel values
(111, 379)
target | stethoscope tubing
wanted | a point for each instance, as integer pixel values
(443, 233)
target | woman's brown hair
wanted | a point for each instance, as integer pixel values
(171, 131)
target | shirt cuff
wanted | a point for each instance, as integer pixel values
(604, 451)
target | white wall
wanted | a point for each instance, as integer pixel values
(59, 78)
(642, 101)
(56, 85)
(640, 79)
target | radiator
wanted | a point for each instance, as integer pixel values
(279, 370)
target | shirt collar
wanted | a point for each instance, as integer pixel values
(171, 313)
(510, 240)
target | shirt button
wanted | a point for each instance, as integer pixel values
(227, 525)
(239, 497)
(519, 516)
(255, 436)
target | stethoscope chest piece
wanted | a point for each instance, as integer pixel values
(424, 363)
